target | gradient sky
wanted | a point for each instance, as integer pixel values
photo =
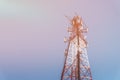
(32, 32)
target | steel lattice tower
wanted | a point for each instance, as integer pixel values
(76, 65)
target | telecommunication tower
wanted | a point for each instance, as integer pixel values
(76, 65)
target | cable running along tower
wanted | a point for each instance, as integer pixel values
(76, 65)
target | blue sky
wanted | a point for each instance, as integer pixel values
(32, 32)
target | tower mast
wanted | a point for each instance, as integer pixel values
(76, 65)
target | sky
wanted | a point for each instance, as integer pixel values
(32, 33)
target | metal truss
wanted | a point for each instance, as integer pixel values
(76, 65)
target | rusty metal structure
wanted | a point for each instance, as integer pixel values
(76, 64)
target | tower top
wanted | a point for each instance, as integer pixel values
(77, 21)
(77, 28)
